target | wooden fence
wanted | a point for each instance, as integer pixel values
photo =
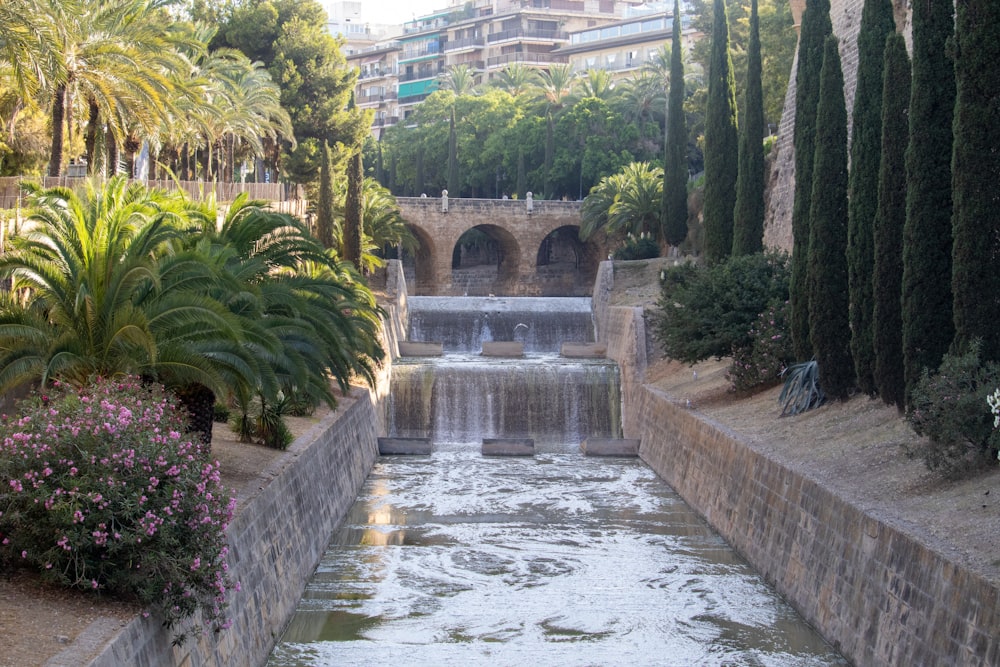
(10, 189)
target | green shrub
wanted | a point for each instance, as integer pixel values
(101, 490)
(221, 413)
(947, 407)
(641, 247)
(264, 423)
(707, 312)
(761, 363)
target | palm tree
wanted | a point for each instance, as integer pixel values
(117, 56)
(516, 78)
(627, 202)
(461, 79)
(555, 87)
(27, 47)
(595, 83)
(87, 295)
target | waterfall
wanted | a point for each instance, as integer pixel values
(463, 397)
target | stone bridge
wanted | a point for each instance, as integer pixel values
(505, 247)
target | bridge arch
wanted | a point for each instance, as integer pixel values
(535, 246)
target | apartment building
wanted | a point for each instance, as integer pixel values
(489, 35)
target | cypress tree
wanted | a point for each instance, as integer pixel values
(828, 298)
(976, 165)
(675, 172)
(721, 144)
(324, 207)
(748, 218)
(453, 187)
(928, 325)
(815, 27)
(550, 151)
(889, 220)
(876, 24)
(353, 222)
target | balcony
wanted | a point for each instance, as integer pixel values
(520, 34)
(527, 58)
(377, 97)
(386, 121)
(376, 73)
(428, 73)
(470, 43)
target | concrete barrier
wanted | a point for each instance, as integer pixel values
(610, 447)
(583, 350)
(418, 349)
(508, 447)
(503, 348)
(404, 446)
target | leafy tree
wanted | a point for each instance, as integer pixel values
(828, 297)
(675, 176)
(591, 140)
(709, 311)
(928, 324)
(876, 24)
(976, 168)
(721, 144)
(748, 216)
(454, 189)
(888, 226)
(816, 26)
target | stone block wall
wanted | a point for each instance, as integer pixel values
(276, 541)
(879, 595)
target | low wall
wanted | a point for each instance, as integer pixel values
(275, 541)
(877, 594)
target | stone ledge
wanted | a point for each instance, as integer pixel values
(610, 447)
(583, 350)
(508, 447)
(404, 446)
(503, 348)
(419, 349)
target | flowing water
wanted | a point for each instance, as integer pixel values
(551, 560)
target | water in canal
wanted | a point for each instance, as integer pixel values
(551, 560)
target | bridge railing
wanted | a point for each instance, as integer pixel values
(488, 206)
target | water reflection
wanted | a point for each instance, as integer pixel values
(555, 560)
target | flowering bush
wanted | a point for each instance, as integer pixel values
(947, 407)
(100, 489)
(761, 363)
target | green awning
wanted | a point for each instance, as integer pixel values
(413, 88)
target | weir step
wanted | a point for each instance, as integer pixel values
(584, 350)
(508, 447)
(610, 447)
(406, 446)
(503, 348)
(420, 349)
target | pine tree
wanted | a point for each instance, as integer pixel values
(748, 217)
(324, 207)
(816, 26)
(889, 220)
(675, 173)
(828, 299)
(721, 143)
(876, 24)
(976, 165)
(928, 325)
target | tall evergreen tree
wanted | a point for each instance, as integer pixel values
(876, 24)
(889, 220)
(675, 174)
(325, 205)
(816, 26)
(748, 218)
(928, 325)
(828, 298)
(976, 165)
(721, 143)
(453, 187)
(353, 224)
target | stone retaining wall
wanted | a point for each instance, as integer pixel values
(276, 541)
(877, 594)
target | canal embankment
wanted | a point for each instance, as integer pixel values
(892, 565)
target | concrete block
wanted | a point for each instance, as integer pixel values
(419, 349)
(610, 447)
(508, 447)
(415, 446)
(503, 349)
(584, 350)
